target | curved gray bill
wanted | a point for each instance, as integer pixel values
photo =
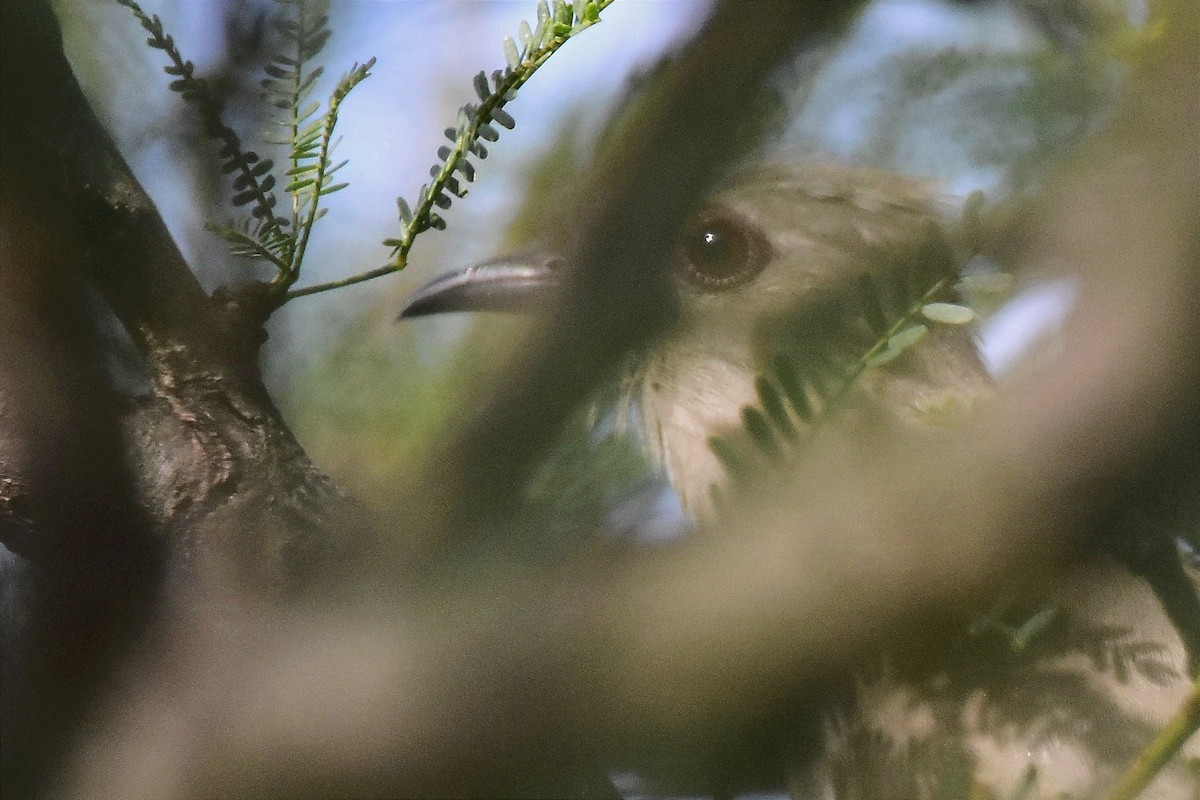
(506, 284)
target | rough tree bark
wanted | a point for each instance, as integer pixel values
(92, 485)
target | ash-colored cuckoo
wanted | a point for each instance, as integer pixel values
(775, 263)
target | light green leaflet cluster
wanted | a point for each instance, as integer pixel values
(281, 238)
(809, 378)
(556, 23)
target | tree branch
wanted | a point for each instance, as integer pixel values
(619, 293)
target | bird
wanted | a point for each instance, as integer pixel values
(804, 301)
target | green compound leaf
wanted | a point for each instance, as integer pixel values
(948, 313)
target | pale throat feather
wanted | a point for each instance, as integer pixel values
(685, 398)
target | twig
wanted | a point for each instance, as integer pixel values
(1162, 748)
(489, 110)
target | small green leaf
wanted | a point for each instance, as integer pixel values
(897, 344)
(885, 356)
(337, 187)
(510, 53)
(793, 387)
(985, 283)
(907, 337)
(307, 111)
(759, 429)
(406, 214)
(311, 78)
(1023, 635)
(525, 35)
(773, 405)
(503, 117)
(311, 129)
(487, 132)
(947, 313)
(481, 85)
(296, 186)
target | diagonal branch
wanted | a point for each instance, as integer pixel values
(620, 294)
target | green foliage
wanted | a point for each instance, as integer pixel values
(253, 182)
(1018, 636)
(265, 234)
(302, 26)
(824, 352)
(476, 121)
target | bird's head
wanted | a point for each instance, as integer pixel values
(787, 277)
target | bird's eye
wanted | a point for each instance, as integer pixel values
(721, 253)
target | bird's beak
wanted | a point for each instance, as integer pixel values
(517, 283)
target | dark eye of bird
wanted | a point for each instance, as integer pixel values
(720, 254)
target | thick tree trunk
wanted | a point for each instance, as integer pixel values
(208, 447)
(92, 486)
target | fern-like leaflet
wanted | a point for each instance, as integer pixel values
(265, 235)
(303, 25)
(556, 24)
(815, 365)
(253, 182)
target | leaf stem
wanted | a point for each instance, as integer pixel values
(467, 136)
(864, 363)
(378, 272)
(356, 75)
(1162, 748)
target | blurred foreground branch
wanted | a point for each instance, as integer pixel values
(620, 295)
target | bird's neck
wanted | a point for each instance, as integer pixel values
(694, 387)
(685, 398)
